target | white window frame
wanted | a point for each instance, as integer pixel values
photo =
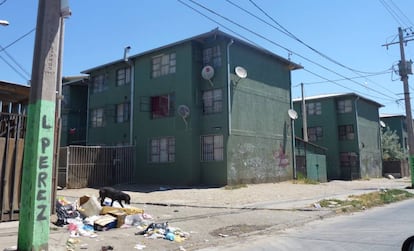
(163, 64)
(123, 76)
(122, 112)
(314, 108)
(98, 83)
(344, 106)
(162, 150)
(212, 56)
(97, 117)
(212, 101)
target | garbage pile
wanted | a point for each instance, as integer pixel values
(86, 217)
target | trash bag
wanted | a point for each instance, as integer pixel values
(65, 212)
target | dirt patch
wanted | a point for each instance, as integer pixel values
(237, 230)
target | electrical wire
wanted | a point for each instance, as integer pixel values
(392, 13)
(276, 44)
(401, 13)
(15, 62)
(2, 2)
(13, 68)
(17, 40)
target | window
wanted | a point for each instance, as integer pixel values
(162, 106)
(212, 147)
(315, 133)
(162, 150)
(122, 112)
(344, 106)
(123, 76)
(212, 56)
(163, 65)
(98, 84)
(314, 108)
(97, 117)
(348, 159)
(213, 101)
(346, 132)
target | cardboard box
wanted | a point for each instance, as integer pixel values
(105, 222)
(89, 206)
(128, 211)
(120, 217)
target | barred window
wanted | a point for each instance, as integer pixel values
(162, 106)
(314, 108)
(162, 150)
(163, 65)
(213, 101)
(346, 132)
(344, 106)
(212, 56)
(348, 159)
(315, 133)
(212, 148)
(123, 76)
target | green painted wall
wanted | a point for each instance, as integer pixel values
(112, 133)
(369, 140)
(260, 144)
(365, 122)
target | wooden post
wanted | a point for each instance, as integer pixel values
(34, 219)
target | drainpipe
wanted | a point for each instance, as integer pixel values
(357, 137)
(131, 105)
(87, 111)
(229, 85)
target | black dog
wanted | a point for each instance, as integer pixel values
(114, 195)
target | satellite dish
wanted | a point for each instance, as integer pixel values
(292, 114)
(240, 72)
(382, 124)
(184, 112)
(208, 73)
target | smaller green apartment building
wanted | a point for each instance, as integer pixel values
(347, 125)
(398, 124)
(211, 109)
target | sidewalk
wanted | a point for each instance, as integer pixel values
(211, 215)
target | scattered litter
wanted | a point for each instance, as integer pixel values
(140, 246)
(223, 235)
(182, 248)
(317, 205)
(106, 248)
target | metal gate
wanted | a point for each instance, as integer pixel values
(12, 132)
(95, 166)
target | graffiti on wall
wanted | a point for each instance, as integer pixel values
(282, 159)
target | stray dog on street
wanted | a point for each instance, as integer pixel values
(114, 195)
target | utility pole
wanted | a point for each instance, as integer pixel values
(304, 116)
(404, 70)
(37, 177)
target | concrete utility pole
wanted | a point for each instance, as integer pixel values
(304, 116)
(404, 70)
(38, 152)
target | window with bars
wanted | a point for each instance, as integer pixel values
(98, 83)
(163, 65)
(212, 56)
(162, 150)
(212, 101)
(346, 132)
(162, 106)
(314, 108)
(348, 159)
(123, 76)
(97, 117)
(122, 112)
(344, 106)
(315, 133)
(212, 148)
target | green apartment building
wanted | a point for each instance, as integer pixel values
(210, 109)
(398, 124)
(347, 125)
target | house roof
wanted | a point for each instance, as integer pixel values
(326, 96)
(384, 115)
(13, 92)
(214, 32)
(75, 80)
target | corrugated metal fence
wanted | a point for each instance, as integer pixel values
(12, 132)
(95, 166)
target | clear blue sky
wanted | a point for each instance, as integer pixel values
(351, 32)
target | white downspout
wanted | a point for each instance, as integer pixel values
(229, 85)
(131, 106)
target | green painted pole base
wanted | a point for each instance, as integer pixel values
(412, 170)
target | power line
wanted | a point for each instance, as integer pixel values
(392, 13)
(401, 13)
(274, 43)
(17, 40)
(2, 2)
(341, 79)
(15, 62)
(13, 68)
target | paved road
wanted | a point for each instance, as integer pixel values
(378, 229)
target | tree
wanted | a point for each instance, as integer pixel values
(391, 148)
